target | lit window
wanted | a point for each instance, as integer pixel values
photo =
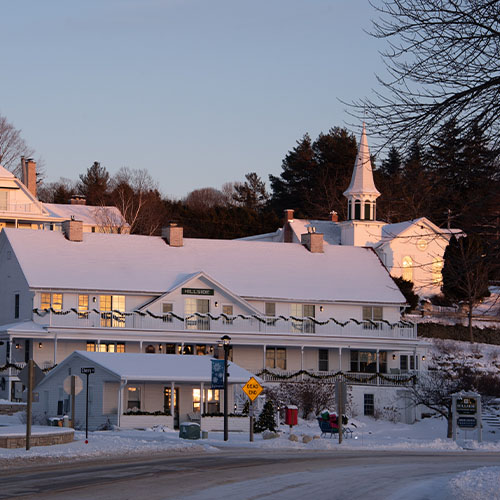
(276, 357)
(83, 306)
(45, 300)
(90, 346)
(57, 301)
(408, 268)
(437, 268)
(134, 398)
(112, 307)
(196, 400)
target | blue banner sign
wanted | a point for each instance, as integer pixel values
(217, 374)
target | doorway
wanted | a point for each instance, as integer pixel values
(167, 404)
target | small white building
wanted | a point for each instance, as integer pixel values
(135, 391)
(411, 249)
(19, 207)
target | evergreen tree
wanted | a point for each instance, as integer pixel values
(252, 193)
(266, 420)
(94, 184)
(391, 166)
(406, 288)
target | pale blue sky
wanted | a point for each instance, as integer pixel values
(199, 92)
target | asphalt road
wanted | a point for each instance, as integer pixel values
(245, 475)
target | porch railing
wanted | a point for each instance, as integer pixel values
(225, 324)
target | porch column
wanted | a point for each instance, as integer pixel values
(202, 399)
(172, 399)
(140, 345)
(302, 357)
(55, 348)
(263, 357)
(340, 358)
(182, 348)
(10, 350)
(378, 367)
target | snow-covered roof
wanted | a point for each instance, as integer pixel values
(331, 230)
(96, 216)
(161, 367)
(5, 174)
(362, 175)
(250, 269)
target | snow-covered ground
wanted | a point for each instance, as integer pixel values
(426, 435)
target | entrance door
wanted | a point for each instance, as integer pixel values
(167, 404)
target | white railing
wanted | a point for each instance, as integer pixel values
(352, 378)
(233, 324)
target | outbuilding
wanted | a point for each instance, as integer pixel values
(136, 390)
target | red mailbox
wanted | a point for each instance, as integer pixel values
(291, 415)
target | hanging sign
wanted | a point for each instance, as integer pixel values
(217, 374)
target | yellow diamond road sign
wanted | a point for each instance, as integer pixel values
(252, 389)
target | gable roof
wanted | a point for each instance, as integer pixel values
(146, 264)
(5, 174)
(155, 367)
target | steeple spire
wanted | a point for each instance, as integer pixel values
(362, 193)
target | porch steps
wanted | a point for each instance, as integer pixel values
(491, 417)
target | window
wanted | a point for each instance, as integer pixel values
(437, 267)
(57, 301)
(54, 300)
(197, 400)
(111, 307)
(212, 401)
(16, 305)
(167, 399)
(105, 347)
(367, 210)
(366, 361)
(83, 306)
(228, 311)
(200, 306)
(372, 313)
(357, 210)
(134, 398)
(369, 404)
(166, 309)
(408, 268)
(323, 360)
(170, 349)
(150, 349)
(201, 350)
(270, 308)
(349, 211)
(4, 200)
(303, 311)
(276, 357)
(408, 362)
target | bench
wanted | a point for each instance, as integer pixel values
(326, 428)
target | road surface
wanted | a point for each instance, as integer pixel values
(246, 475)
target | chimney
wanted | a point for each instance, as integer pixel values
(335, 216)
(312, 240)
(173, 234)
(73, 229)
(288, 236)
(28, 174)
(77, 199)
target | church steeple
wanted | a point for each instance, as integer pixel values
(362, 194)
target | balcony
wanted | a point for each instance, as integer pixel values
(19, 208)
(117, 320)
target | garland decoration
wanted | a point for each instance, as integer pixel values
(119, 316)
(340, 374)
(17, 367)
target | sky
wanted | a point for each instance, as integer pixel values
(198, 92)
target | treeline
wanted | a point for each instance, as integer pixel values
(454, 181)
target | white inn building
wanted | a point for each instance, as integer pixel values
(315, 307)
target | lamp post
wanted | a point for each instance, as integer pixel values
(226, 341)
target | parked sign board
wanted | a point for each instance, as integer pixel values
(467, 422)
(466, 406)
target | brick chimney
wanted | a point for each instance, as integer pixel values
(28, 174)
(312, 240)
(77, 199)
(335, 216)
(288, 236)
(173, 234)
(73, 229)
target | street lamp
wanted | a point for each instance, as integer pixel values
(226, 341)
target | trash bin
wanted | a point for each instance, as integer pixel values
(189, 430)
(65, 421)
